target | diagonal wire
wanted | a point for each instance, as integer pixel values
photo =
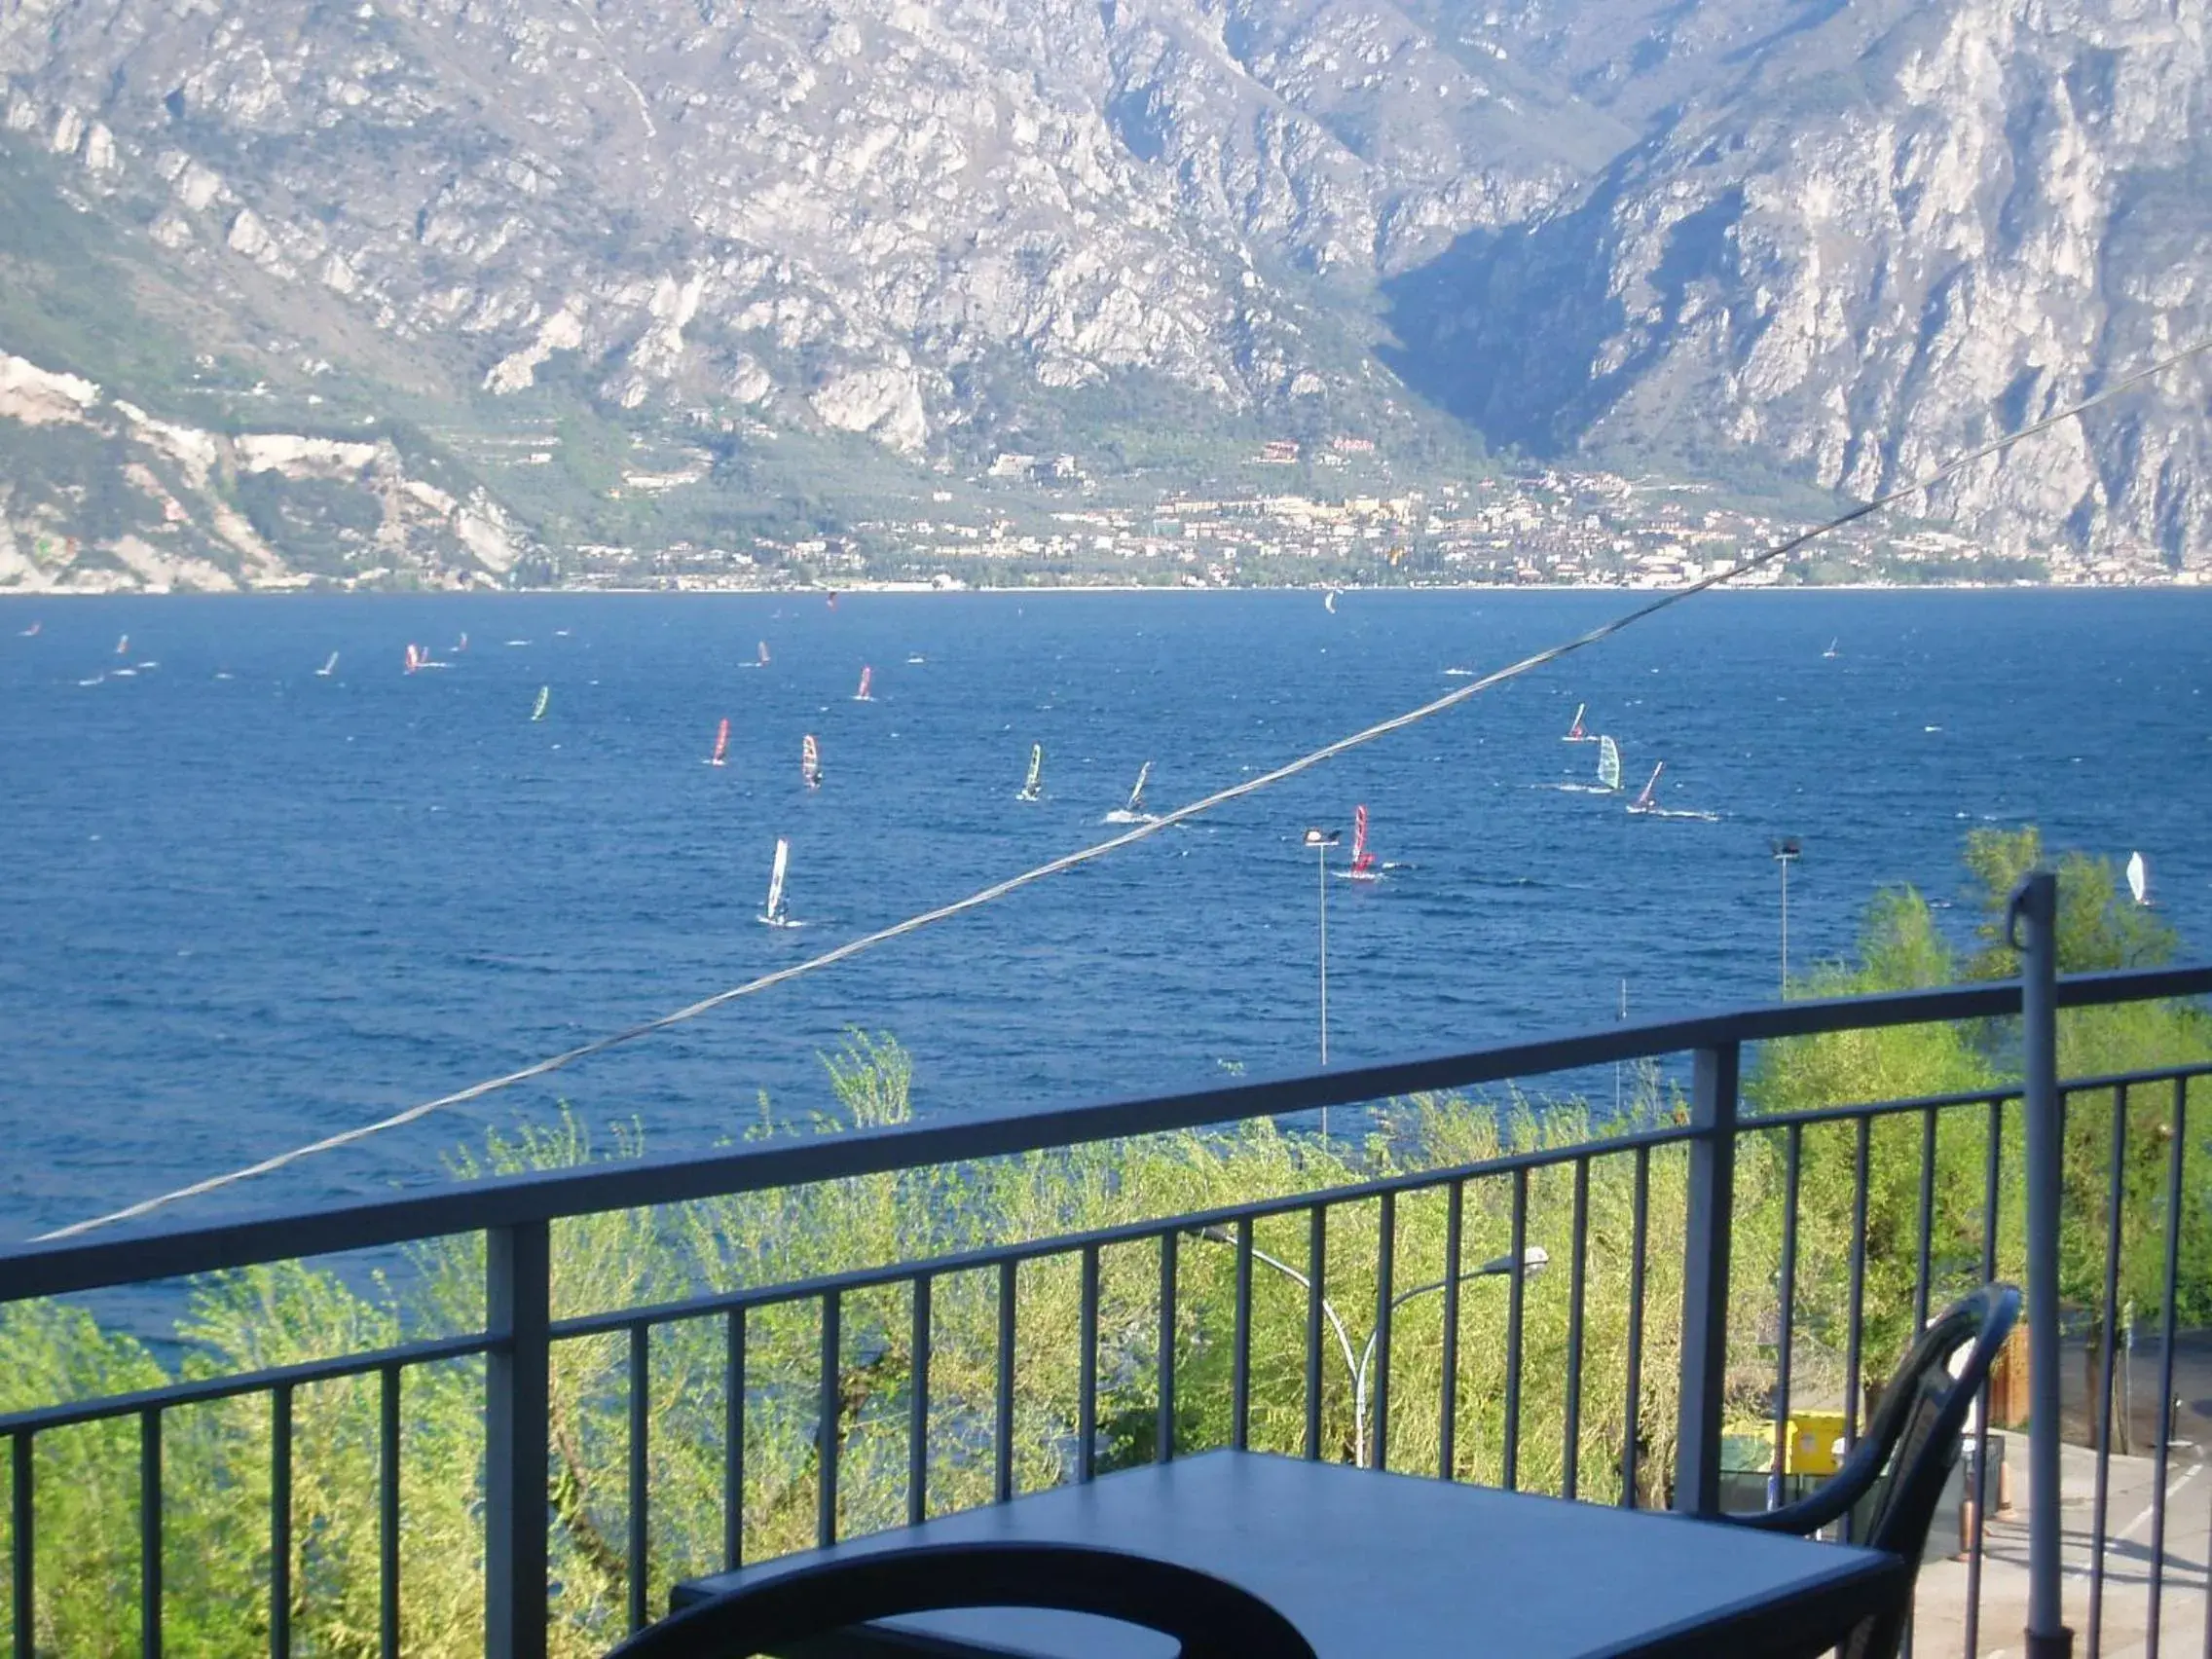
(1222, 797)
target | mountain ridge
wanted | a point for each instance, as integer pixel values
(1748, 237)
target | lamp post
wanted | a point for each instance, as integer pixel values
(1321, 841)
(1533, 1260)
(1786, 851)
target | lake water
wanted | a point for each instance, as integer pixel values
(247, 905)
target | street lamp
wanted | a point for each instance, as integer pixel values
(1533, 1260)
(1786, 851)
(1321, 841)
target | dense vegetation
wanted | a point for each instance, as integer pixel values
(218, 1457)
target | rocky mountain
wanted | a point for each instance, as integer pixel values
(1887, 237)
(1826, 237)
(97, 494)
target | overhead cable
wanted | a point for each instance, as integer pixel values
(1142, 831)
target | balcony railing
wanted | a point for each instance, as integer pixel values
(1689, 1299)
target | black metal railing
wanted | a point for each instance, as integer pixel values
(1657, 1435)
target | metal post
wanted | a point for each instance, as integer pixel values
(1322, 864)
(1786, 851)
(1784, 927)
(518, 1304)
(1321, 841)
(1620, 1018)
(1708, 1220)
(2035, 902)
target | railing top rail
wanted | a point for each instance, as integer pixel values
(59, 1269)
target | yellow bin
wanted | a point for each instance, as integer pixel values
(1810, 1449)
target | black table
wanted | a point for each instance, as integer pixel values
(1374, 1566)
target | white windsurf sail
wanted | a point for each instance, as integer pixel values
(1609, 764)
(720, 755)
(1136, 794)
(544, 702)
(774, 914)
(865, 694)
(810, 761)
(329, 668)
(1033, 786)
(1575, 732)
(2138, 879)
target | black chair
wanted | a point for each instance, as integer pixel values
(1890, 1484)
(1211, 1618)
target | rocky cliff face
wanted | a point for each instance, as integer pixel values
(96, 494)
(829, 210)
(1835, 238)
(1895, 234)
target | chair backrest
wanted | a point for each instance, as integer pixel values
(1915, 1433)
(1893, 1478)
(1211, 1618)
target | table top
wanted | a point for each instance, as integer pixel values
(1367, 1564)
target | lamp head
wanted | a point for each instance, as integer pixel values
(1789, 848)
(1322, 838)
(1533, 1260)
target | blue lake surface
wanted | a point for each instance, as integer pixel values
(247, 907)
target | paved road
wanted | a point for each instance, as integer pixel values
(1939, 1617)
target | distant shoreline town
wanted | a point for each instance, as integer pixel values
(1548, 529)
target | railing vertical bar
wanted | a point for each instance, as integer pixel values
(1708, 1226)
(1002, 1405)
(1516, 1285)
(1087, 1384)
(280, 1521)
(1448, 1404)
(1316, 1272)
(640, 1429)
(1786, 1316)
(2177, 1140)
(388, 1511)
(2102, 1406)
(22, 1540)
(1639, 1237)
(1855, 1332)
(1571, 1451)
(1378, 1396)
(518, 1277)
(831, 1412)
(1923, 1269)
(1241, 1359)
(1163, 1431)
(1923, 1280)
(733, 1441)
(150, 1533)
(920, 1340)
(1991, 1177)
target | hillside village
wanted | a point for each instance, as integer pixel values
(1041, 521)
